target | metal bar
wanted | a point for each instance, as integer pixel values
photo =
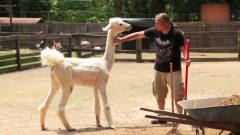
(233, 127)
(168, 113)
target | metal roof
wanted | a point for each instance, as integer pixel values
(140, 22)
(6, 20)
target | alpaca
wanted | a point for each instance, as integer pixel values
(91, 72)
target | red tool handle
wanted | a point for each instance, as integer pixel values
(186, 72)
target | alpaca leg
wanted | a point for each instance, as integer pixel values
(97, 107)
(107, 111)
(44, 106)
(61, 113)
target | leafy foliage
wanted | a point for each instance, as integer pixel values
(102, 10)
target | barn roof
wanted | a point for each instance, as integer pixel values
(6, 20)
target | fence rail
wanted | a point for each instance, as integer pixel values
(21, 61)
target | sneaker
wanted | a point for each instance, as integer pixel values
(158, 122)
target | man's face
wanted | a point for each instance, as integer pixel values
(159, 25)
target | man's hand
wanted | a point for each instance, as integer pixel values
(188, 63)
(117, 41)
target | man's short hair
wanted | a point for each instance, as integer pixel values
(163, 17)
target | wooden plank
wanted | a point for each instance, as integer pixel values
(28, 60)
(31, 66)
(30, 54)
(9, 69)
(148, 50)
(126, 51)
(125, 60)
(9, 56)
(63, 50)
(8, 38)
(8, 62)
(79, 54)
(216, 50)
(87, 35)
(86, 55)
(138, 50)
(222, 49)
(19, 33)
(34, 37)
(18, 54)
(43, 36)
(89, 50)
(70, 47)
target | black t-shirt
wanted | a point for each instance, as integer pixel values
(167, 48)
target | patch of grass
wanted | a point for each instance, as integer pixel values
(2, 53)
(8, 66)
(31, 63)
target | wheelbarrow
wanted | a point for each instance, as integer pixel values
(204, 113)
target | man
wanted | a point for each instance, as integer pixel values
(169, 43)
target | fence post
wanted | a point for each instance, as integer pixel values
(92, 46)
(139, 50)
(79, 54)
(238, 44)
(18, 54)
(70, 47)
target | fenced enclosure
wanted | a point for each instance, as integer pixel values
(18, 50)
(203, 36)
(21, 52)
(21, 57)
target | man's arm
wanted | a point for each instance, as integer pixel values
(132, 36)
(182, 48)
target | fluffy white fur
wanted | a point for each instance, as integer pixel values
(51, 57)
(92, 72)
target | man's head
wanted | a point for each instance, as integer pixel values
(162, 22)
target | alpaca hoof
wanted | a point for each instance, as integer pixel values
(71, 129)
(43, 127)
(112, 127)
(99, 126)
(41, 107)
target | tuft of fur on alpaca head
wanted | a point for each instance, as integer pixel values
(117, 23)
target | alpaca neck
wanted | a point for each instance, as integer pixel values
(108, 56)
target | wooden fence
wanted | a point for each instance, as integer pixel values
(21, 61)
(18, 61)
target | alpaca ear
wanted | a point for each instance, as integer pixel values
(109, 26)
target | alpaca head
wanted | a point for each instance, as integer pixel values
(117, 25)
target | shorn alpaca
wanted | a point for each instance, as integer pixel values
(91, 72)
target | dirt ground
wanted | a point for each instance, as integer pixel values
(129, 88)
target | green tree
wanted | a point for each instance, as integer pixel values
(102, 10)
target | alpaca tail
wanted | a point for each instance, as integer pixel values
(51, 57)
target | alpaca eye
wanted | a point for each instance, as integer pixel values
(120, 24)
